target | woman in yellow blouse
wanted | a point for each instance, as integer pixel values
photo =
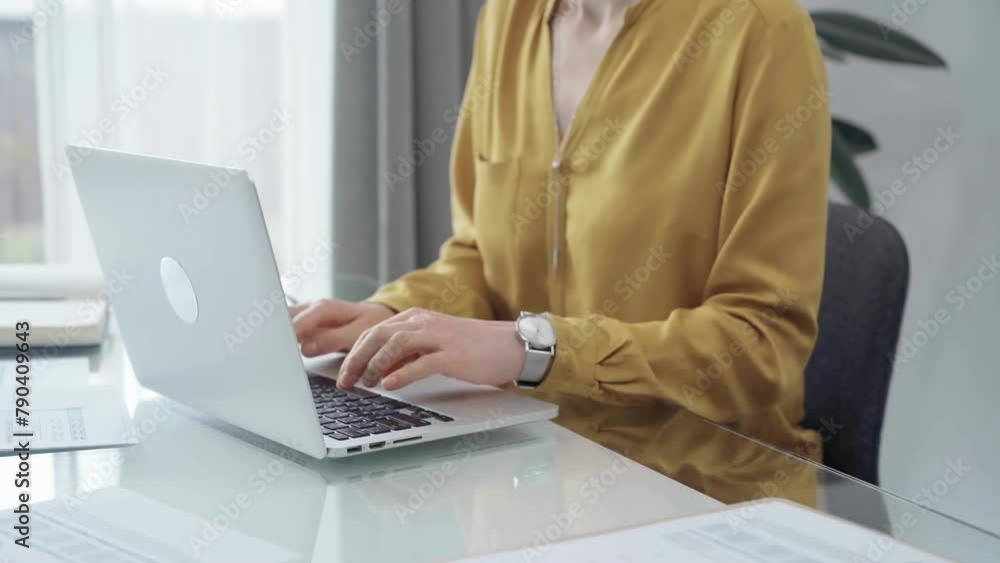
(643, 187)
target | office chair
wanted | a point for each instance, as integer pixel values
(847, 377)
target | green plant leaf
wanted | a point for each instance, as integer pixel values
(845, 173)
(858, 140)
(869, 38)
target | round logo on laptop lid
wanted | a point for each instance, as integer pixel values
(178, 289)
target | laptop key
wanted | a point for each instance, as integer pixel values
(364, 424)
(443, 418)
(379, 429)
(393, 423)
(336, 435)
(334, 425)
(412, 421)
(353, 432)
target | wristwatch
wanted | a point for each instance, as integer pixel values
(539, 337)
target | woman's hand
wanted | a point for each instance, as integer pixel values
(417, 343)
(330, 325)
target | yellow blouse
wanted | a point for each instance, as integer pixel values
(677, 237)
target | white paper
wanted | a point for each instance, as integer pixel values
(115, 525)
(770, 531)
(49, 281)
(65, 411)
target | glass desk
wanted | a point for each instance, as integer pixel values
(198, 490)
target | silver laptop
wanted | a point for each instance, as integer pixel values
(204, 321)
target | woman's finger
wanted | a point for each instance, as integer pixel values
(327, 341)
(400, 346)
(367, 345)
(416, 370)
(317, 314)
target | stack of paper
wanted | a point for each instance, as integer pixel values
(50, 281)
(65, 412)
(756, 532)
(54, 323)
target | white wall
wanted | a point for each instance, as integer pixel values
(943, 402)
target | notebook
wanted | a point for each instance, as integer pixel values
(54, 323)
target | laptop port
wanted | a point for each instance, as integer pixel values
(354, 450)
(405, 440)
(375, 445)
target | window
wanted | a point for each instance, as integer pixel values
(237, 83)
(20, 184)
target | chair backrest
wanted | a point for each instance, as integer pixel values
(847, 377)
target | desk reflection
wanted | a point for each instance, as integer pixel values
(199, 490)
(716, 461)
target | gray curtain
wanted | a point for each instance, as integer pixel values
(401, 66)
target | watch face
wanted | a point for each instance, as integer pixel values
(537, 330)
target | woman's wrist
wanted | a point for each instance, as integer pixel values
(518, 350)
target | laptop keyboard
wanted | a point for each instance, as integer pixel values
(360, 412)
